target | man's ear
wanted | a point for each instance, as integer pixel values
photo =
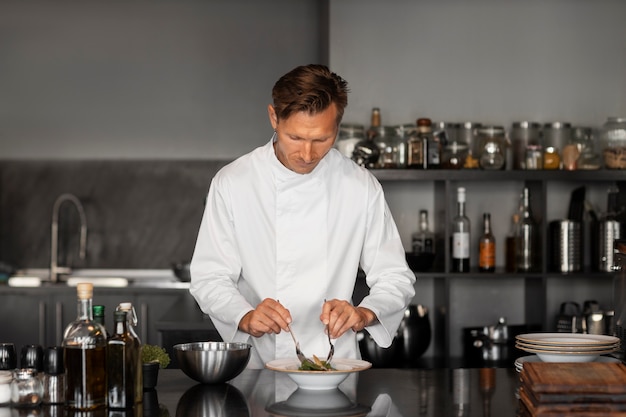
(273, 116)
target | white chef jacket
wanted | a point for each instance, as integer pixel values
(269, 232)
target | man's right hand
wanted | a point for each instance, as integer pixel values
(268, 317)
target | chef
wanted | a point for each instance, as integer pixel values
(286, 228)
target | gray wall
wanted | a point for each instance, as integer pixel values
(167, 79)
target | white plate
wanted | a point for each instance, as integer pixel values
(567, 348)
(566, 356)
(519, 362)
(318, 380)
(567, 339)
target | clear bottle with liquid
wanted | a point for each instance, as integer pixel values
(528, 239)
(84, 345)
(460, 241)
(131, 317)
(122, 358)
(487, 247)
(423, 240)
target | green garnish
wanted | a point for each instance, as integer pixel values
(315, 365)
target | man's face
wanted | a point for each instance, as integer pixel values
(304, 139)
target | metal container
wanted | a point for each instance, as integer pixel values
(603, 235)
(493, 345)
(565, 246)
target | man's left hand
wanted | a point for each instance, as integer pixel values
(341, 316)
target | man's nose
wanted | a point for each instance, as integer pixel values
(307, 152)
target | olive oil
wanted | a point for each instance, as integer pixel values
(84, 349)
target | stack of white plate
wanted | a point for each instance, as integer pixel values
(566, 347)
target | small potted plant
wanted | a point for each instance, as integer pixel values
(153, 358)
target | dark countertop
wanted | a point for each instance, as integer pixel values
(373, 393)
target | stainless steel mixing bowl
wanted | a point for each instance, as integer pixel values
(212, 362)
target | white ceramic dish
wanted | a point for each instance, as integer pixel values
(567, 348)
(519, 362)
(567, 339)
(566, 356)
(318, 380)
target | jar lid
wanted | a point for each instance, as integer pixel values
(470, 125)
(491, 131)
(526, 125)
(424, 122)
(6, 377)
(557, 125)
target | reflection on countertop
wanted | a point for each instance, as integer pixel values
(372, 393)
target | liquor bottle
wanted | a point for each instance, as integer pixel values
(460, 236)
(84, 345)
(98, 316)
(423, 239)
(487, 247)
(527, 248)
(415, 151)
(131, 318)
(366, 152)
(432, 147)
(122, 357)
(512, 239)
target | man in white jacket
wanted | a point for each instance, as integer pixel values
(287, 226)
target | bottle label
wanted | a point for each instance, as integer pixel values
(487, 255)
(460, 245)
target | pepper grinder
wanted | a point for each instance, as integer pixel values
(54, 376)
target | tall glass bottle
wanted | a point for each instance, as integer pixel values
(131, 318)
(98, 316)
(460, 236)
(122, 356)
(423, 239)
(84, 346)
(512, 239)
(527, 249)
(487, 247)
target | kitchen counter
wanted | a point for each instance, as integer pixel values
(374, 392)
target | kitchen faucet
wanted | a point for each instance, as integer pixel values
(55, 269)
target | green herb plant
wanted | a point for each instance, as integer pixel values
(153, 353)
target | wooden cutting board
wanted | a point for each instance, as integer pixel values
(586, 378)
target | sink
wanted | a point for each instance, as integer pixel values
(113, 278)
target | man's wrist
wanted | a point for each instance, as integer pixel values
(370, 317)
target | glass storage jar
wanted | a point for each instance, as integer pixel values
(493, 147)
(467, 133)
(614, 143)
(585, 139)
(26, 388)
(5, 387)
(390, 146)
(523, 134)
(349, 136)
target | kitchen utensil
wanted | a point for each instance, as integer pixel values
(331, 352)
(299, 354)
(569, 319)
(212, 362)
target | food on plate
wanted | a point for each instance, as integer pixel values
(315, 365)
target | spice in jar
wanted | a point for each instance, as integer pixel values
(534, 157)
(551, 158)
(5, 387)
